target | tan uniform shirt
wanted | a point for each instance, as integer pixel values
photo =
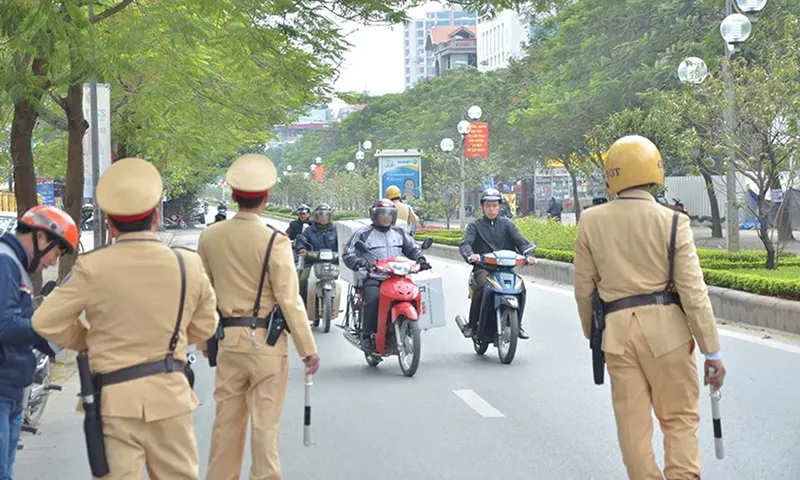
(130, 293)
(233, 253)
(622, 250)
(406, 213)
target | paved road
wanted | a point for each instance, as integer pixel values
(540, 417)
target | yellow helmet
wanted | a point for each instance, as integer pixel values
(633, 161)
(393, 192)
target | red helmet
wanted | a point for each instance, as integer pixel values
(383, 206)
(54, 221)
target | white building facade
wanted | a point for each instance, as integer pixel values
(500, 39)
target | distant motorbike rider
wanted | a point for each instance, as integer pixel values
(296, 227)
(383, 239)
(485, 235)
(555, 209)
(222, 213)
(320, 235)
(404, 212)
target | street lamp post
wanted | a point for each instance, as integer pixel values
(735, 30)
(473, 113)
(366, 145)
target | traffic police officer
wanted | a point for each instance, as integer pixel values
(251, 376)
(404, 212)
(623, 251)
(130, 293)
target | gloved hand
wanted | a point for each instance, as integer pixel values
(423, 262)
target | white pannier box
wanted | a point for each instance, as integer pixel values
(432, 309)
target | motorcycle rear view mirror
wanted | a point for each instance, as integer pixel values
(48, 288)
(426, 244)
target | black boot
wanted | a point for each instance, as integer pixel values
(366, 343)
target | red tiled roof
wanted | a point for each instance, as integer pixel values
(445, 34)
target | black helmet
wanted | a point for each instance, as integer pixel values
(322, 210)
(302, 208)
(384, 205)
(491, 195)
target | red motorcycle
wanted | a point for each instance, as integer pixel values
(398, 332)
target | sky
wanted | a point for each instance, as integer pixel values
(375, 61)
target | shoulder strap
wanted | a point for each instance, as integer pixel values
(264, 270)
(671, 253)
(175, 335)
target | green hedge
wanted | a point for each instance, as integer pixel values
(720, 268)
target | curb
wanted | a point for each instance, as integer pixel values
(728, 304)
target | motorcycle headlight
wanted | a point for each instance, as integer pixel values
(400, 268)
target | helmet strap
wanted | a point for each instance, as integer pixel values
(38, 254)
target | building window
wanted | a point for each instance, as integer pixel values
(418, 23)
(420, 33)
(419, 42)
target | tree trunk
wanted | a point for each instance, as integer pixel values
(575, 199)
(22, 126)
(74, 198)
(716, 218)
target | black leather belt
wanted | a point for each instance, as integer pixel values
(250, 322)
(660, 298)
(167, 365)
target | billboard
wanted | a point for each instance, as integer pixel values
(401, 168)
(104, 128)
(46, 189)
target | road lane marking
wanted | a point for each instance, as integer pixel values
(475, 402)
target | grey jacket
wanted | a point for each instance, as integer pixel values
(393, 242)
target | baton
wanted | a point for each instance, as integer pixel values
(716, 396)
(307, 412)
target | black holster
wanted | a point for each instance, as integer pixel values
(92, 421)
(596, 339)
(276, 324)
(213, 345)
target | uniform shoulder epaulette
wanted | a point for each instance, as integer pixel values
(181, 247)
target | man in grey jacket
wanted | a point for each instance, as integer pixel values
(383, 240)
(485, 235)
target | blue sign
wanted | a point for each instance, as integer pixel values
(47, 190)
(404, 173)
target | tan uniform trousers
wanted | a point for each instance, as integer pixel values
(247, 385)
(641, 383)
(167, 447)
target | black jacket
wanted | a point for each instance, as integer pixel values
(315, 239)
(295, 229)
(485, 236)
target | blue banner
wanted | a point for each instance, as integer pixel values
(47, 191)
(404, 173)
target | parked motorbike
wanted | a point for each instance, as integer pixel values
(175, 221)
(398, 332)
(323, 306)
(505, 294)
(35, 396)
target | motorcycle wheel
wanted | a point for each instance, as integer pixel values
(480, 347)
(183, 225)
(408, 357)
(327, 312)
(34, 410)
(508, 335)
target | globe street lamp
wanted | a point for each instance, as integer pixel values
(318, 160)
(693, 70)
(350, 166)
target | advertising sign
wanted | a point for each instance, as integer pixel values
(46, 189)
(104, 128)
(401, 168)
(477, 141)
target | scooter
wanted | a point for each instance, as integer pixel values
(325, 301)
(398, 332)
(175, 221)
(35, 395)
(502, 307)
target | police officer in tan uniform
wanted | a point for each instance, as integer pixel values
(130, 294)
(251, 376)
(651, 329)
(404, 212)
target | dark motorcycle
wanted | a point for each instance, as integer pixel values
(323, 284)
(505, 294)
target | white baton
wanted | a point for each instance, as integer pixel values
(716, 396)
(307, 412)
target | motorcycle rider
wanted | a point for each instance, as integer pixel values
(404, 212)
(485, 235)
(43, 235)
(384, 240)
(296, 227)
(318, 236)
(222, 212)
(555, 209)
